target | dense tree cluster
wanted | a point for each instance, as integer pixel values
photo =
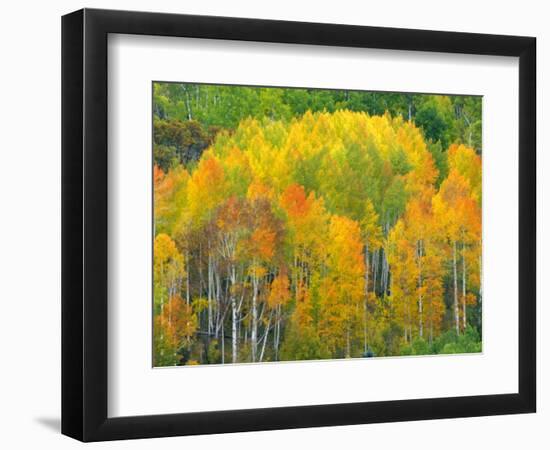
(443, 119)
(299, 224)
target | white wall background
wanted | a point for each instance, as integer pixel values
(30, 224)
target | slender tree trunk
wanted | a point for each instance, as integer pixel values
(201, 278)
(383, 274)
(217, 295)
(266, 336)
(233, 330)
(162, 296)
(295, 274)
(277, 332)
(254, 331)
(387, 275)
(457, 321)
(223, 345)
(170, 295)
(188, 104)
(234, 336)
(374, 269)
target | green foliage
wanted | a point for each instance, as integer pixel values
(440, 159)
(420, 347)
(214, 352)
(435, 118)
(446, 338)
(302, 344)
(392, 337)
(444, 119)
(450, 343)
(469, 342)
(467, 125)
(394, 201)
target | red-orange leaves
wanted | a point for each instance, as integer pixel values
(295, 201)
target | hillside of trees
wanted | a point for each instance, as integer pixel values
(296, 224)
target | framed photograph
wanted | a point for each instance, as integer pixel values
(273, 224)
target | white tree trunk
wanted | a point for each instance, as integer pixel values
(254, 331)
(223, 346)
(457, 320)
(210, 291)
(234, 347)
(266, 335)
(277, 332)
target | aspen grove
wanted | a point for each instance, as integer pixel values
(308, 224)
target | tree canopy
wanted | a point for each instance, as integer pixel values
(299, 224)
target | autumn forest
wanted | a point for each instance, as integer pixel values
(298, 224)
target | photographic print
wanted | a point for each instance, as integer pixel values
(297, 224)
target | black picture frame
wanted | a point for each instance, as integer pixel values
(84, 224)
